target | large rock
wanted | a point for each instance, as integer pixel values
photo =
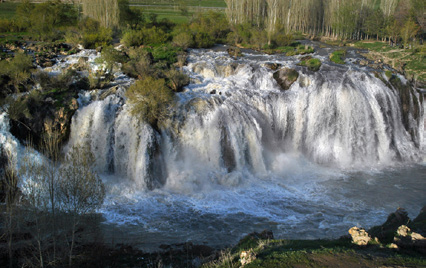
(386, 231)
(419, 223)
(359, 236)
(406, 239)
(285, 77)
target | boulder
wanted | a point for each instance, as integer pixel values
(359, 236)
(419, 223)
(272, 66)
(285, 77)
(386, 231)
(247, 257)
(405, 238)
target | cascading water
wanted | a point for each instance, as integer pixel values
(239, 154)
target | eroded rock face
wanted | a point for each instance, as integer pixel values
(359, 236)
(405, 238)
(386, 231)
(285, 77)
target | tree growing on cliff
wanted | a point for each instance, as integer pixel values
(150, 99)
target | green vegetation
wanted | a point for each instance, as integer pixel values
(7, 10)
(313, 64)
(338, 56)
(150, 99)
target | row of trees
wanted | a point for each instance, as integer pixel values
(348, 19)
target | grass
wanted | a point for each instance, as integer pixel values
(315, 253)
(7, 10)
(338, 56)
(189, 3)
(313, 64)
(413, 60)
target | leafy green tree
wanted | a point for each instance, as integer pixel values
(375, 24)
(150, 100)
(409, 31)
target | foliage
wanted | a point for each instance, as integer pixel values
(18, 71)
(150, 100)
(139, 64)
(183, 40)
(129, 18)
(145, 36)
(111, 57)
(338, 56)
(176, 80)
(104, 11)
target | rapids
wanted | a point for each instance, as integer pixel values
(240, 155)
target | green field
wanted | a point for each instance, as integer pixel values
(164, 8)
(7, 10)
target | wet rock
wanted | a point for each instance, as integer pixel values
(359, 236)
(286, 77)
(385, 232)
(213, 91)
(272, 66)
(363, 62)
(234, 52)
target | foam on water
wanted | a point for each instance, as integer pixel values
(240, 155)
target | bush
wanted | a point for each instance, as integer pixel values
(145, 36)
(139, 64)
(176, 80)
(166, 53)
(103, 37)
(150, 99)
(18, 70)
(203, 40)
(313, 64)
(183, 40)
(110, 56)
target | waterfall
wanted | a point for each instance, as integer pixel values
(234, 119)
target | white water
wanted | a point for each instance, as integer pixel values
(310, 162)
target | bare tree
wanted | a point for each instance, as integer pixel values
(80, 189)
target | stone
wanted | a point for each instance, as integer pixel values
(393, 246)
(363, 62)
(247, 257)
(403, 230)
(272, 66)
(285, 77)
(386, 231)
(359, 236)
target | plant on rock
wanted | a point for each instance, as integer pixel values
(150, 99)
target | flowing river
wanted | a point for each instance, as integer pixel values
(240, 155)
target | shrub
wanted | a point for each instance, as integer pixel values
(150, 99)
(313, 64)
(166, 53)
(176, 80)
(145, 36)
(18, 70)
(139, 64)
(183, 40)
(110, 56)
(203, 40)
(102, 37)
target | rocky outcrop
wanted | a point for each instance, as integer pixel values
(407, 239)
(411, 107)
(285, 77)
(359, 236)
(35, 115)
(386, 231)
